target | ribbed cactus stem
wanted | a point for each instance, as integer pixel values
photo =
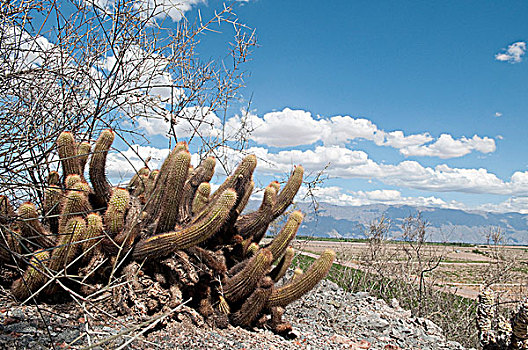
(243, 171)
(201, 197)
(68, 153)
(285, 197)
(254, 304)
(172, 194)
(102, 188)
(75, 204)
(257, 222)
(202, 174)
(243, 283)
(31, 228)
(83, 152)
(116, 211)
(197, 231)
(34, 276)
(151, 182)
(160, 189)
(52, 207)
(297, 288)
(68, 243)
(82, 186)
(247, 195)
(252, 249)
(94, 233)
(281, 241)
(280, 270)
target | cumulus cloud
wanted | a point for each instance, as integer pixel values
(290, 128)
(346, 163)
(189, 122)
(338, 196)
(448, 147)
(174, 9)
(513, 54)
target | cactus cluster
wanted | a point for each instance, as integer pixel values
(497, 333)
(162, 239)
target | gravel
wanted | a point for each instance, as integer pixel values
(326, 318)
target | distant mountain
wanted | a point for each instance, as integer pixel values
(444, 224)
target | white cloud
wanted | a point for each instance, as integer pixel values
(512, 204)
(447, 147)
(174, 9)
(498, 114)
(191, 120)
(290, 128)
(346, 163)
(513, 54)
(338, 196)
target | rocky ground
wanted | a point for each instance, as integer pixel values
(326, 318)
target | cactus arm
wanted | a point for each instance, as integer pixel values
(52, 207)
(198, 231)
(280, 270)
(285, 197)
(34, 276)
(297, 288)
(257, 222)
(75, 203)
(243, 283)
(68, 245)
(172, 195)
(254, 304)
(83, 152)
(202, 174)
(138, 180)
(68, 154)
(115, 213)
(31, 228)
(201, 198)
(159, 190)
(102, 188)
(281, 241)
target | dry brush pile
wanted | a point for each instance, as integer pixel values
(162, 240)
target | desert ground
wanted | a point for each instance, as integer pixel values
(462, 270)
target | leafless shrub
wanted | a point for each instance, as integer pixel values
(82, 66)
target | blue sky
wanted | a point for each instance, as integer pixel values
(411, 102)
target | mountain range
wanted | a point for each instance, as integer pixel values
(443, 225)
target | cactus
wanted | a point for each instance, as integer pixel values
(115, 213)
(68, 155)
(280, 270)
(166, 227)
(34, 276)
(98, 179)
(297, 288)
(241, 284)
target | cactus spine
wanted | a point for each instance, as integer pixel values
(194, 234)
(101, 187)
(297, 288)
(115, 213)
(280, 270)
(67, 153)
(254, 304)
(241, 284)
